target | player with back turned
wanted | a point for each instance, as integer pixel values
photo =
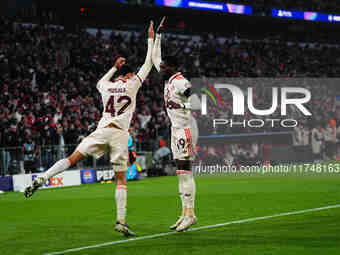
(179, 103)
(111, 135)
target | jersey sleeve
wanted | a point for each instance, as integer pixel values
(104, 84)
(157, 52)
(106, 78)
(147, 66)
(135, 82)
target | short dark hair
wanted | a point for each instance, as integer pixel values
(171, 61)
(124, 70)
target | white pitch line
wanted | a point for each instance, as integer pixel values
(194, 229)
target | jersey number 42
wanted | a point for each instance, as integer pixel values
(110, 106)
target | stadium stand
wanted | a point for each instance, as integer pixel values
(49, 76)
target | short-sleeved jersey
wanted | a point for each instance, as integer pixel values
(174, 91)
(119, 101)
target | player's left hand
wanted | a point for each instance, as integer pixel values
(120, 62)
(160, 28)
(173, 105)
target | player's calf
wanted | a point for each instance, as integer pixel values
(187, 187)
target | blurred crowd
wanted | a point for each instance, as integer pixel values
(310, 143)
(48, 78)
(49, 85)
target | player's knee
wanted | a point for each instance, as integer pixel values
(75, 158)
(72, 160)
(120, 178)
(183, 164)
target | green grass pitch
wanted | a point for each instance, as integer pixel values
(59, 219)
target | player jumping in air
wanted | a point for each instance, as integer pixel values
(184, 133)
(111, 135)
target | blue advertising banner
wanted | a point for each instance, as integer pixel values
(6, 183)
(88, 176)
(207, 5)
(310, 16)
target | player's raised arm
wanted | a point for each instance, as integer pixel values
(157, 52)
(147, 66)
(106, 78)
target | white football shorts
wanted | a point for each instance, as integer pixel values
(111, 140)
(184, 141)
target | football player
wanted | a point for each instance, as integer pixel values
(111, 135)
(184, 133)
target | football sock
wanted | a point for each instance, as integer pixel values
(58, 167)
(189, 190)
(180, 190)
(120, 197)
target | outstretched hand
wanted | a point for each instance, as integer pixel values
(120, 62)
(160, 28)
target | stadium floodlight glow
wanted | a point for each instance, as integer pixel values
(334, 18)
(207, 5)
